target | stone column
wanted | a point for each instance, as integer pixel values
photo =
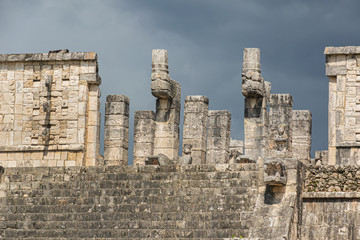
(144, 134)
(280, 132)
(218, 139)
(195, 127)
(301, 135)
(343, 70)
(167, 119)
(256, 92)
(116, 130)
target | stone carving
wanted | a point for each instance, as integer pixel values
(274, 172)
(167, 118)
(186, 157)
(49, 117)
(281, 139)
(196, 126)
(152, 160)
(257, 94)
(252, 81)
(160, 159)
(51, 102)
(161, 85)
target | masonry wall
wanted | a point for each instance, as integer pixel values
(49, 114)
(343, 70)
(331, 203)
(189, 201)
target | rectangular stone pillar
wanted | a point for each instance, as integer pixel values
(301, 135)
(168, 95)
(167, 120)
(256, 121)
(93, 125)
(343, 70)
(144, 134)
(218, 139)
(280, 132)
(195, 127)
(116, 130)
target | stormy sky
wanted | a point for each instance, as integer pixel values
(205, 40)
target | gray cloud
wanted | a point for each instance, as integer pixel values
(205, 39)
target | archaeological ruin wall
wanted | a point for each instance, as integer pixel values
(49, 113)
(331, 185)
(55, 184)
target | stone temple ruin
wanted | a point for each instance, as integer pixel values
(56, 185)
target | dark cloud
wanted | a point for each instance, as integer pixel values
(205, 39)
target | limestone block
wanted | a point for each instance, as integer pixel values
(116, 135)
(301, 134)
(335, 69)
(280, 131)
(167, 141)
(218, 139)
(274, 172)
(195, 127)
(116, 120)
(144, 134)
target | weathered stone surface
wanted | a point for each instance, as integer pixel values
(280, 125)
(144, 134)
(257, 93)
(252, 81)
(342, 68)
(49, 116)
(195, 127)
(186, 159)
(51, 105)
(218, 136)
(116, 135)
(121, 202)
(274, 172)
(301, 135)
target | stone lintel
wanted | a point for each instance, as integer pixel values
(342, 50)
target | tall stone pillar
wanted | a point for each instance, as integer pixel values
(144, 134)
(257, 93)
(301, 135)
(218, 139)
(195, 127)
(167, 119)
(343, 70)
(280, 132)
(116, 130)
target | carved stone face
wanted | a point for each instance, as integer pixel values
(187, 149)
(274, 172)
(160, 87)
(281, 130)
(253, 84)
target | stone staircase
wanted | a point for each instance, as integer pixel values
(132, 202)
